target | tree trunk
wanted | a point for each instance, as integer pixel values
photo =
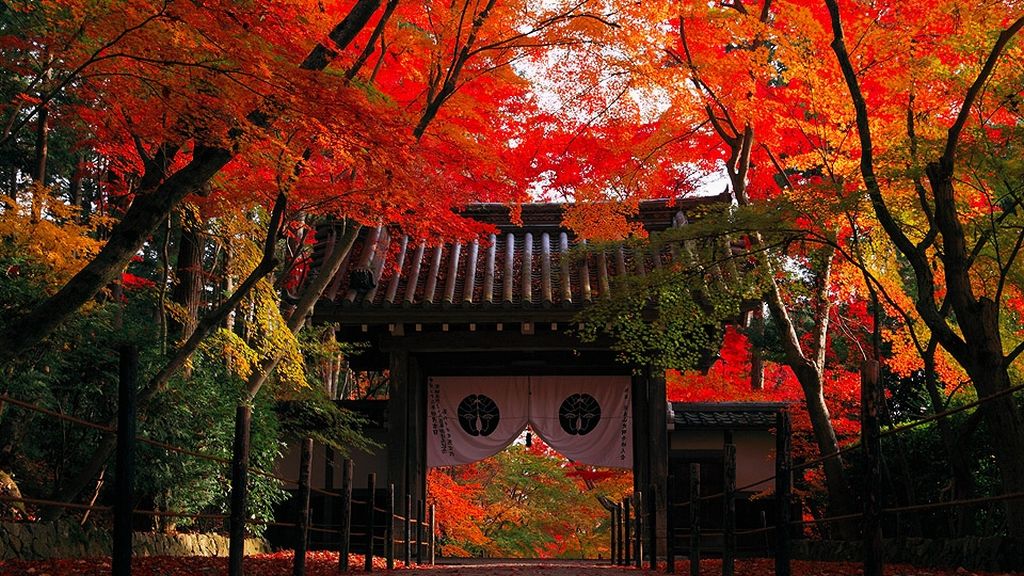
(962, 482)
(808, 374)
(188, 288)
(840, 497)
(1001, 415)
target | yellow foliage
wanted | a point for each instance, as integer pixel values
(52, 238)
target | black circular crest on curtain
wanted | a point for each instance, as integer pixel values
(579, 414)
(478, 415)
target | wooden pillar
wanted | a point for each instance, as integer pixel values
(651, 533)
(371, 493)
(420, 513)
(302, 525)
(407, 556)
(626, 529)
(399, 412)
(432, 538)
(389, 529)
(618, 534)
(870, 400)
(124, 484)
(638, 531)
(345, 537)
(239, 489)
(694, 519)
(613, 542)
(671, 537)
(782, 493)
(658, 424)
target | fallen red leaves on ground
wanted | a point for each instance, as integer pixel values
(326, 563)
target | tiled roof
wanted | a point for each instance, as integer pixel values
(521, 272)
(717, 415)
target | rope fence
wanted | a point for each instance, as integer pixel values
(869, 518)
(343, 532)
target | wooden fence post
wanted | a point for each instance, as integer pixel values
(407, 556)
(637, 537)
(420, 513)
(432, 538)
(620, 554)
(694, 519)
(729, 511)
(871, 446)
(653, 496)
(124, 484)
(783, 489)
(345, 546)
(371, 485)
(626, 529)
(670, 536)
(389, 529)
(302, 525)
(613, 541)
(239, 489)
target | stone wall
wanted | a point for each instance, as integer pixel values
(995, 553)
(34, 541)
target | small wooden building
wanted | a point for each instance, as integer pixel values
(506, 305)
(698, 433)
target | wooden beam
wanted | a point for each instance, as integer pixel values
(389, 296)
(414, 273)
(432, 274)
(526, 290)
(365, 257)
(585, 273)
(545, 267)
(566, 270)
(379, 257)
(470, 282)
(453, 272)
(488, 295)
(508, 279)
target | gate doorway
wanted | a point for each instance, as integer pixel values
(525, 502)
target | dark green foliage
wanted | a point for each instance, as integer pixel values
(314, 416)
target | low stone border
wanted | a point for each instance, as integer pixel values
(41, 540)
(994, 553)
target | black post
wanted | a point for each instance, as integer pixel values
(371, 485)
(420, 513)
(729, 511)
(782, 493)
(694, 519)
(389, 529)
(671, 534)
(626, 528)
(431, 539)
(345, 545)
(612, 529)
(408, 531)
(618, 533)
(872, 449)
(239, 489)
(638, 531)
(652, 525)
(302, 525)
(124, 484)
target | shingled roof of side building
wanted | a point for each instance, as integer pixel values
(732, 416)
